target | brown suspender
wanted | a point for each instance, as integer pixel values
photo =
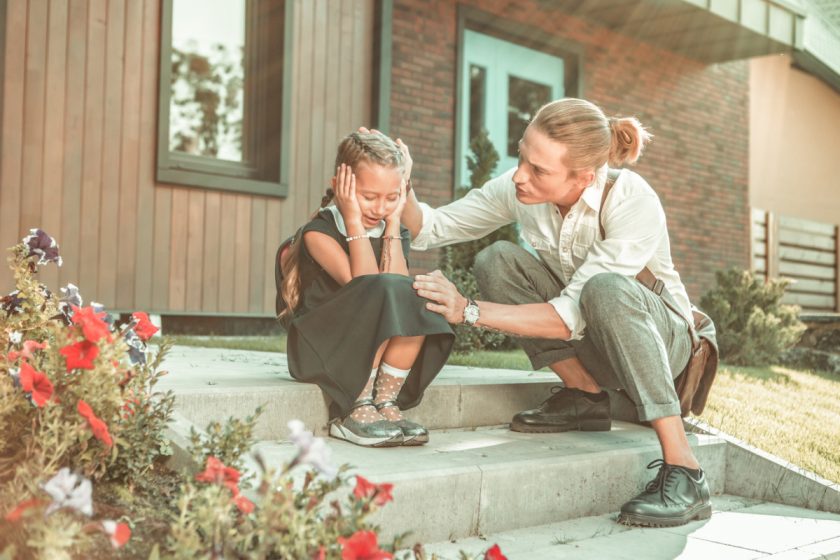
(647, 278)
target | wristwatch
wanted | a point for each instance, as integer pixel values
(471, 312)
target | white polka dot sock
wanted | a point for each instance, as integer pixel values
(389, 382)
(367, 414)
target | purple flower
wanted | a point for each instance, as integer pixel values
(136, 347)
(15, 373)
(42, 246)
(70, 296)
(12, 303)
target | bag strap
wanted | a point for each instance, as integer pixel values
(645, 277)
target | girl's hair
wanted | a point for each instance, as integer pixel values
(372, 148)
(592, 139)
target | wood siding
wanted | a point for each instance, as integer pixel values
(79, 143)
(803, 251)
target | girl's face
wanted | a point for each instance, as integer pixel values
(377, 190)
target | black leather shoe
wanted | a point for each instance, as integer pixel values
(566, 410)
(673, 498)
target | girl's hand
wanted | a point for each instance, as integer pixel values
(345, 198)
(393, 219)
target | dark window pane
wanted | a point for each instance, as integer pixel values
(206, 108)
(524, 98)
(478, 80)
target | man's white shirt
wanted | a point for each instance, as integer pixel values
(571, 247)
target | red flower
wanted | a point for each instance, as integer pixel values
(494, 553)
(216, 472)
(244, 504)
(143, 327)
(321, 554)
(15, 515)
(381, 493)
(29, 346)
(119, 533)
(80, 355)
(97, 426)
(362, 545)
(36, 383)
(91, 322)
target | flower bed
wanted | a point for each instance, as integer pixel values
(83, 450)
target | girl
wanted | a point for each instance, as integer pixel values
(356, 326)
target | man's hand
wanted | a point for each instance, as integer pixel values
(445, 297)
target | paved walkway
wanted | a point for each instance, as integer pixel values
(739, 529)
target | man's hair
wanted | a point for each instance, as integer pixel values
(591, 138)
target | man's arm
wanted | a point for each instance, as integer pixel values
(535, 320)
(412, 216)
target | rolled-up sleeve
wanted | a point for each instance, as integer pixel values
(633, 231)
(478, 213)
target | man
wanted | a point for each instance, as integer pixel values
(578, 307)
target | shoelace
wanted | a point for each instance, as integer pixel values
(664, 479)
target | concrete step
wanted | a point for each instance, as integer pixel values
(473, 482)
(212, 384)
(739, 529)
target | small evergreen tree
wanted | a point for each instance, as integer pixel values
(457, 260)
(753, 327)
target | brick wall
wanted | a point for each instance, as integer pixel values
(698, 114)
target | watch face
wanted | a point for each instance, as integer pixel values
(471, 314)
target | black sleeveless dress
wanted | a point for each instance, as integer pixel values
(336, 330)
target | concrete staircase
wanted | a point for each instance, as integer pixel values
(478, 480)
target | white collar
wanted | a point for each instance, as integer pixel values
(593, 193)
(375, 231)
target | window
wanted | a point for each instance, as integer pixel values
(223, 95)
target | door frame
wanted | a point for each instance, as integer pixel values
(490, 24)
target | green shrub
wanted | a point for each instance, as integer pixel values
(753, 327)
(457, 260)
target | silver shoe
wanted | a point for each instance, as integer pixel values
(413, 433)
(381, 433)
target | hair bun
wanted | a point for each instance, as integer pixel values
(629, 138)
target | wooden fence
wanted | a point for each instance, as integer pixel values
(804, 251)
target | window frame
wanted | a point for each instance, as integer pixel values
(213, 173)
(490, 24)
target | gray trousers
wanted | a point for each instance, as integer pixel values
(632, 341)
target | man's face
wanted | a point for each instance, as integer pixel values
(541, 175)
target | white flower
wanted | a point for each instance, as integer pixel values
(70, 295)
(311, 450)
(15, 337)
(68, 489)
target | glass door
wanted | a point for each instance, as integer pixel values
(503, 85)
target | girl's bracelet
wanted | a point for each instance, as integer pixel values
(355, 237)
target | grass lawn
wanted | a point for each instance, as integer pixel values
(792, 414)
